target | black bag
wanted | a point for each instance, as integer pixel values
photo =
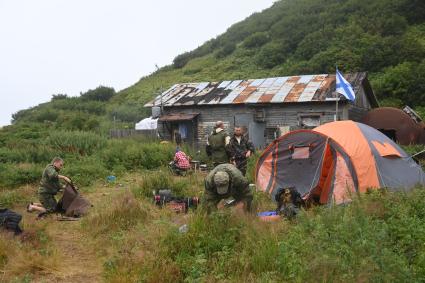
(208, 150)
(10, 220)
(165, 197)
(289, 202)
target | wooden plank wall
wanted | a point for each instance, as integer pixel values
(275, 115)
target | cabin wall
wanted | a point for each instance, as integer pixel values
(360, 107)
(274, 119)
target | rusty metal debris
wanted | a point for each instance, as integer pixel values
(396, 124)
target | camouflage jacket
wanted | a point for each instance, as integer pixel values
(49, 183)
(219, 149)
(237, 182)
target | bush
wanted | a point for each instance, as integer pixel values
(85, 172)
(256, 40)
(27, 153)
(128, 112)
(101, 93)
(59, 96)
(226, 50)
(134, 155)
(270, 55)
(15, 175)
(181, 60)
(83, 143)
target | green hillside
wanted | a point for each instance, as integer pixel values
(384, 37)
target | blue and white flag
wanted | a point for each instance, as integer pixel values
(343, 87)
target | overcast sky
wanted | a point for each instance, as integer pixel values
(56, 46)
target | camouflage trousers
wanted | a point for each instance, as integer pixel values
(48, 201)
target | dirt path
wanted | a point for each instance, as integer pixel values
(79, 259)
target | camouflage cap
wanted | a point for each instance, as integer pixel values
(221, 181)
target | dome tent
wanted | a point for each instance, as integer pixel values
(334, 160)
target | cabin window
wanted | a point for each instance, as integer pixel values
(309, 121)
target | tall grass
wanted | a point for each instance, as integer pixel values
(83, 143)
(30, 255)
(379, 237)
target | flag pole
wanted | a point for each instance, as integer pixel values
(337, 98)
(336, 108)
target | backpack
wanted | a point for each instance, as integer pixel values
(10, 220)
(72, 204)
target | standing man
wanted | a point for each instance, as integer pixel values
(218, 144)
(241, 149)
(50, 186)
(226, 181)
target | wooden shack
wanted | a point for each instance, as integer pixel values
(267, 107)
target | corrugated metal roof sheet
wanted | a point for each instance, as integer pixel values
(293, 89)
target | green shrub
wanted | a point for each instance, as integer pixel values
(86, 171)
(150, 182)
(9, 198)
(14, 175)
(256, 40)
(270, 55)
(27, 153)
(134, 155)
(101, 93)
(83, 143)
(226, 50)
(181, 60)
(127, 112)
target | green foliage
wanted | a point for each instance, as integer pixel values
(101, 93)
(270, 55)
(59, 96)
(181, 60)
(225, 50)
(256, 40)
(8, 198)
(83, 143)
(13, 175)
(376, 238)
(85, 172)
(403, 82)
(128, 112)
(134, 155)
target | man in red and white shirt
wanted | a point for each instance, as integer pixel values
(181, 160)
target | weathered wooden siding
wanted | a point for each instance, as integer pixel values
(276, 115)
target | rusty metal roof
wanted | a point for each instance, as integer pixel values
(305, 88)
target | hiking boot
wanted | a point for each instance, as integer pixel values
(42, 215)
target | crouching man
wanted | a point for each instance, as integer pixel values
(50, 186)
(226, 181)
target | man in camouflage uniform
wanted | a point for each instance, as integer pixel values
(240, 149)
(218, 144)
(50, 186)
(226, 181)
